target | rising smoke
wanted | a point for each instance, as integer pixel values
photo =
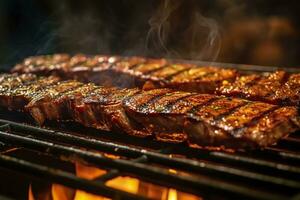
(168, 28)
(179, 30)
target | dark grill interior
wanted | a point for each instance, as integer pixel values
(272, 173)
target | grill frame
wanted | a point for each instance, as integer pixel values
(215, 165)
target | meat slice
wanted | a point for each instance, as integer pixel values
(18, 91)
(130, 72)
(166, 114)
(232, 127)
(45, 98)
(148, 104)
(43, 65)
(48, 105)
(102, 109)
(198, 79)
(209, 119)
(276, 88)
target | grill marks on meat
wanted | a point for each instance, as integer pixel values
(102, 109)
(276, 88)
(130, 72)
(208, 119)
(230, 123)
(51, 104)
(18, 91)
(147, 107)
(48, 64)
(167, 115)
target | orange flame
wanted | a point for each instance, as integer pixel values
(90, 173)
(30, 194)
(60, 192)
(127, 184)
(124, 183)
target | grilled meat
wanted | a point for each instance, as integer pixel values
(102, 109)
(276, 88)
(45, 98)
(210, 119)
(167, 115)
(129, 72)
(46, 65)
(17, 91)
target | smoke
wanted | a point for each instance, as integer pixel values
(187, 29)
(168, 28)
(206, 38)
(179, 30)
(160, 26)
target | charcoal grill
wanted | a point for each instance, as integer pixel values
(272, 173)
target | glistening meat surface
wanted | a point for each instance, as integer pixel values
(128, 71)
(165, 114)
(278, 87)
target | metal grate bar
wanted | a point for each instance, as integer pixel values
(141, 170)
(114, 173)
(283, 153)
(258, 162)
(65, 178)
(195, 166)
(111, 147)
(108, 176)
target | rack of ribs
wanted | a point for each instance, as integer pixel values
(164, 114)
(280, 88)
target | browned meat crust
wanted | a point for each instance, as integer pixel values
(129, 72)
(17, 91)
(276, 88)
(167, 115)
(211, 120)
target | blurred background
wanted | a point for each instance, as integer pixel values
(235, 31)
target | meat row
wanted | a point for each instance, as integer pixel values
(164, 114)
(278, 88)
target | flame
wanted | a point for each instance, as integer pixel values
(149, 190)
(127, 184)
(60, 192)
(172, 194)
(30, 194)
(124, 183)
(81, 195)
(88, 172)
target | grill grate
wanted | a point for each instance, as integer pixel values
(273, 173)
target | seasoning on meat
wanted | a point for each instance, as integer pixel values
(165, 114)
(129, 72)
